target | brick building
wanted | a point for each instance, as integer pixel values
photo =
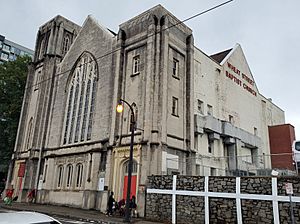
(281, 140)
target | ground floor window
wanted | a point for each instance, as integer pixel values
(79, 168)
(60, 171)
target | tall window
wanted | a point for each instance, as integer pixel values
(209, 110)
(174, 106)
(60, 173)
(81, 101)
(103, 161)
(29, 133)
(45, 173)
(66, 44)
(79, 168)
(175, 68)
(200, 106)
(136, 64)
(69, 175)
(92, 108)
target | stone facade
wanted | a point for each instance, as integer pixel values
(73, 146)
(221, 210)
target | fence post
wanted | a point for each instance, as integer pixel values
(238, 200)
(174, 199)
(275, 201)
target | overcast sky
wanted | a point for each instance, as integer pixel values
(268, 31)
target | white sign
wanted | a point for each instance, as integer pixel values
(101, 184)
(289, 188)
(40, 185)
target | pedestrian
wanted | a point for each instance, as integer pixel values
(110, 204)
(31, 196)
(133, 206)
(121, 206)
(9, 196)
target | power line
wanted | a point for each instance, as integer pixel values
(111, 52)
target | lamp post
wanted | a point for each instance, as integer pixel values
(132, 128)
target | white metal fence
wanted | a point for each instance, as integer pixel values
(238, 196)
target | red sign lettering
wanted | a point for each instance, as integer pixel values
(233, 68)
(239, 81)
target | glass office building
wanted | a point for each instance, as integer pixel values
(9, 50)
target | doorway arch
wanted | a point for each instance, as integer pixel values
(133, 178)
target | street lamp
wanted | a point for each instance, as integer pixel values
(120, 109)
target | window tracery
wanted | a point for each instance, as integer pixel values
(81, 101)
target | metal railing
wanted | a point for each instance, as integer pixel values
(246, 165)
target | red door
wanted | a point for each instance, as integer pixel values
(133, 186)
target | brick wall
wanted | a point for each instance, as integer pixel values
(281, 140)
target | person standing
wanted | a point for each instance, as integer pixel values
(31, 196)
(133, 206)
(9, 196)
(110, 204)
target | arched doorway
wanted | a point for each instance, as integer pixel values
(133, 178)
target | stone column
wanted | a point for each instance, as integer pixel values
(148, 83)
(232, 157)
(50, 48)
(118, 68)
(189, 90)
(163, 76)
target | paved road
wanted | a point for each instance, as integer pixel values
(71, 221)
(61, 219)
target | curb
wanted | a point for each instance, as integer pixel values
(51, 213)
(73, 215)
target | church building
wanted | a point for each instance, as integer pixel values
(195, 114)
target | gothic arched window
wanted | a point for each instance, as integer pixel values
(69, 175)
(60, 174)
(66, 44)
(80, 104)
(79, 170)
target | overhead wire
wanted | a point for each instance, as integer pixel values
(111, 52)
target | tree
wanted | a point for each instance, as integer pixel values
(12, 84)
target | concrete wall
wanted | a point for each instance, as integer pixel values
(232, 110)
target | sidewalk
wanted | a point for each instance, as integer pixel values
(69, 212)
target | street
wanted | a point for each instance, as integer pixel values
(59, 218)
